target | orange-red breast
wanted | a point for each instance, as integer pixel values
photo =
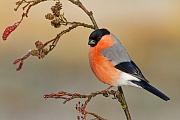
(112, 65)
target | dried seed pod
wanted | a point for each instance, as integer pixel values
(41, 55)
(56, 9)
(35, 52)
(58, 5)
(45, 51)
(56, 22)
(49, 16)
(57, 13)
(39, 45)
(53, 8)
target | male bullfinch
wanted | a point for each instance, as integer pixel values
(112, 65)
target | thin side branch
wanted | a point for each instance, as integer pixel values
(89, 13)
(57, 19)
(82, 107)
(56, 39)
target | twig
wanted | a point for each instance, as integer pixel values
(42, 51)
(120, 97)
(89, 13)
(56, 39)
(82, 107)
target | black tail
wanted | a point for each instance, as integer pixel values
(151, 89)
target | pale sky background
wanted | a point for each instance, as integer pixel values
(149, 30)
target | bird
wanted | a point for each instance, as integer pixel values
(112, 65)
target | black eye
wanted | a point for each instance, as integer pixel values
(98, 38)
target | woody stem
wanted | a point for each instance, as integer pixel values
(122, 100)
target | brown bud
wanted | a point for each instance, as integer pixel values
(56, 23)
(57, 13)
(58, 5)
(53, 8)
(39, 45)
(49, 16)
(18, 3)
(34, 52)
(45, 51)
(42, 55)
(56, 9)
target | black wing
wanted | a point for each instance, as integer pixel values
(131, 68)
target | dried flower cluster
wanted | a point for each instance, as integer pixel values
(57, 19)
(40, 52)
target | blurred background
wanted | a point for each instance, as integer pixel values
(149, 30)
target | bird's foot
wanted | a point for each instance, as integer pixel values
(106, 91)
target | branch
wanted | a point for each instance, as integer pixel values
(82, 107)
(56, 39)
(121, 98)
(89, 13)
(58, 19)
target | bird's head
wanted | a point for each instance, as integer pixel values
(96, 36)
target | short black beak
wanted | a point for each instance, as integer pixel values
(92, 42)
